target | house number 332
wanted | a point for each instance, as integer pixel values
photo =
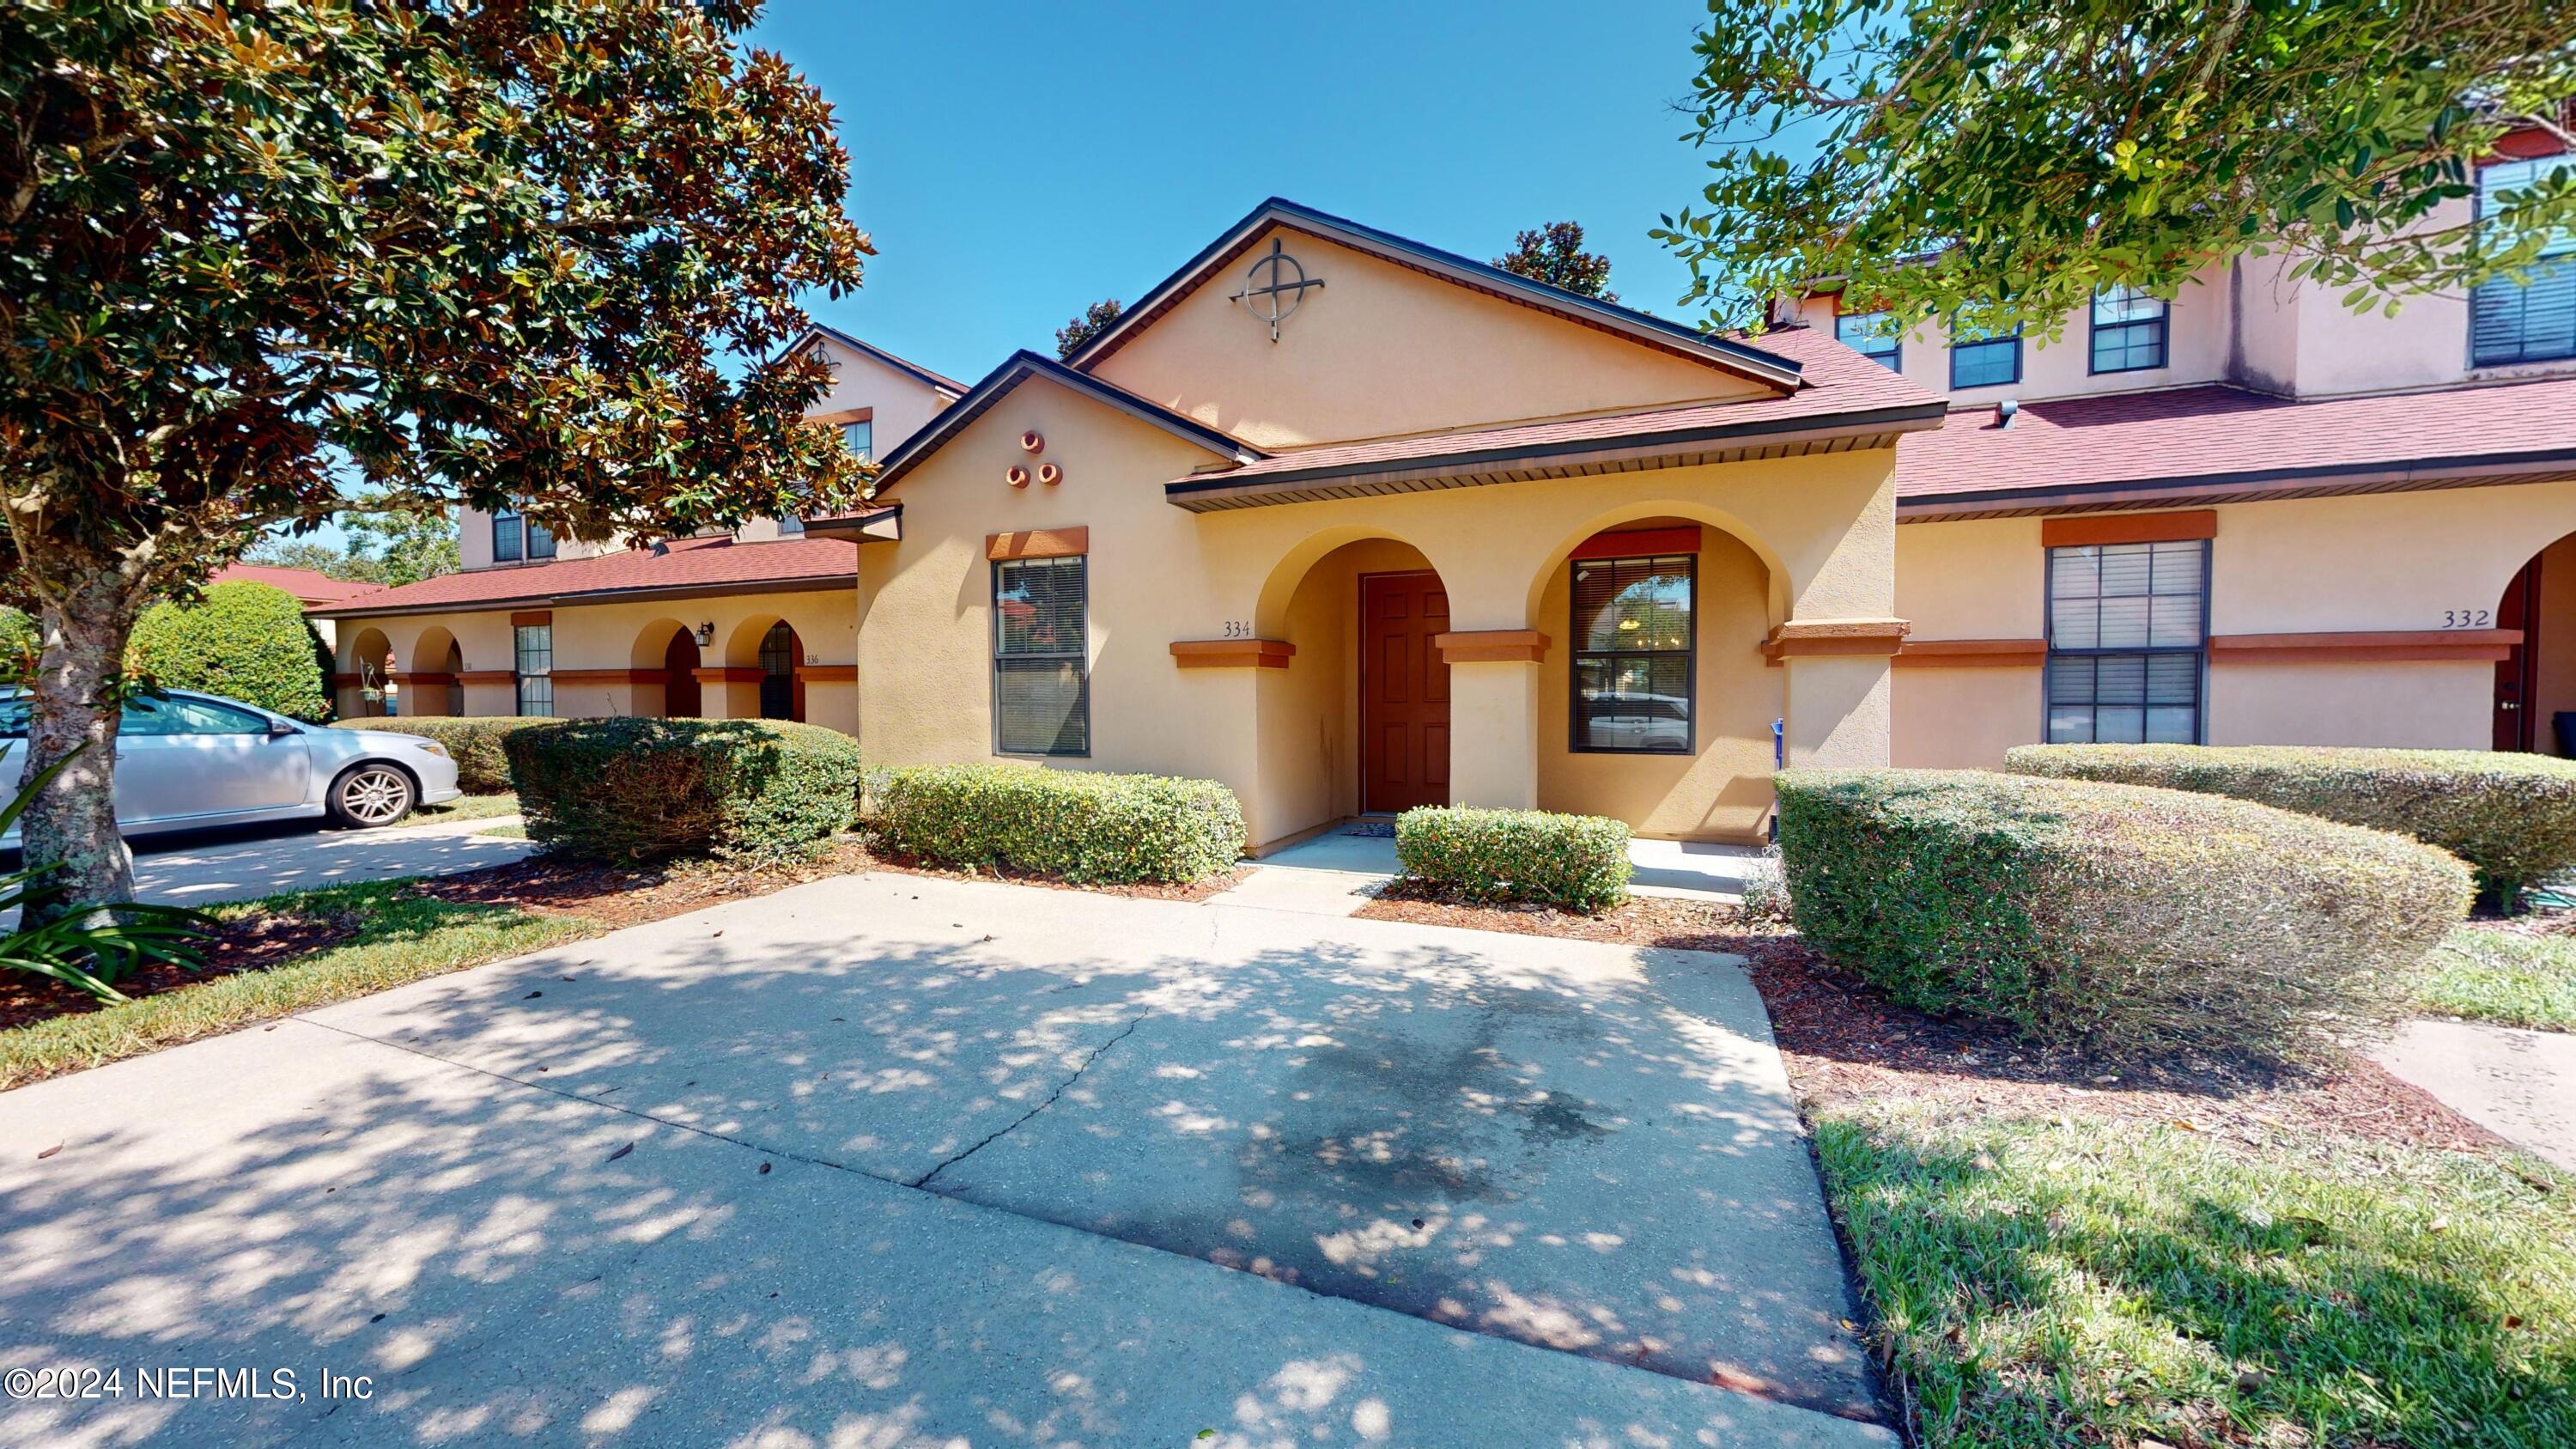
(2467, 618)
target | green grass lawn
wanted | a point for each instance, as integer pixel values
(2063, 1282)
(2506, 977)
(400, 937)
(464, 807)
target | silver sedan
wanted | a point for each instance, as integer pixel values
(185, 761)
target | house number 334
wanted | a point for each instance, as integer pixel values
(1238, 628)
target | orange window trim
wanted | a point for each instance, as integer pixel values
(1038, 543)
(2079, 530)
(532, 619)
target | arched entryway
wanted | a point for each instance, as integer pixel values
(1358, 722)
(665, 660)
(2535, 679)
(681, 691)
(368, 672)
(780, 652)
(436, 686)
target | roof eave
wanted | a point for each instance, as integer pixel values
(2321, 481)
(573, 598)
(1022, 365)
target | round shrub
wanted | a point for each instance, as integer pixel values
(1579, 862)
(19, 637)
(1071, 824)
(749, 791)
(473, 741)
(2115, 918)
(246, 641)
(2511, 816)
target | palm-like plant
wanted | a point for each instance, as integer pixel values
(92, 949)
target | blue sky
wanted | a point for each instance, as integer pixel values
(1016, 162)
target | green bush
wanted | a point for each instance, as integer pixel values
(2116, 918)
(1077, 826)
(751, 791)
(1579, 862)
(473, 741)
(19, 638)
(2511, 816)
(246, 641)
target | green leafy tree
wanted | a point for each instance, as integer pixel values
(404, 548)
(1095, 319)
(246, 641)
(1554, 254)
(317, 556)
(2003, 158)
(260, 265)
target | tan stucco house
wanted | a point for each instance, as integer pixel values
(752, 623)
(1353, 524)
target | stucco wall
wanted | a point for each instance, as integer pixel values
(1820, 530)
(1380, 350)
(623, 636)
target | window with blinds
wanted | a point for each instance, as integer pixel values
(2127, 642)
(2531, 318)
(1635, 638)
(1041, 670)
(514, 537)
(533, 660)
(2129, 329)
(1984, 359)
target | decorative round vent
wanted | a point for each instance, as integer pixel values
(1050, 474)
(1032, 441)
(1017, 477)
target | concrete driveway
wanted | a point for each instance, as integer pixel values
(203, 867)
(887, 1160)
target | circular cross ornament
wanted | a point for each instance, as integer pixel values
(1274, 287)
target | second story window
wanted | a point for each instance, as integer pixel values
(1872, 335)
(1982, 359)
(2533, 319)
(859, 437)
(2129, 330)
(514, 538)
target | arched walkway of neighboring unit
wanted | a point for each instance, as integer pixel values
(2535, 679)
(433, 687)
(764, 653)
(665, 661)
(367, 664)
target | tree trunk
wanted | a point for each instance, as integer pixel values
(75, 694)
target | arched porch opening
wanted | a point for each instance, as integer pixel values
(1358, 722)
(665, 662)
(2535, 677)
(1655, 699)
(761, 661)
(366, 669)
(435, 686)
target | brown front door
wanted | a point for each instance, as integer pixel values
(2515, 728)
(680, 677)
(1404, 692)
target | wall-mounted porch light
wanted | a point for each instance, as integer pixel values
(706, 634)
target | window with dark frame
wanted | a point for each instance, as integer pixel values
(1635, 645)
(1041, 667)
(1979, 359)
(2130, 329)
(541, 540)
(532, 648)
(2532, 318)
(2128, 642)
(1873, 335)
(506, 534)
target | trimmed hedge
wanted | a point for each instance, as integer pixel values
(751, 791)
(246, 641)
(2511, 816)
(1074, 825)
(473, 741)
(2116, 918)
(1579, 862)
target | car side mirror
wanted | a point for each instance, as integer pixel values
(279, 727)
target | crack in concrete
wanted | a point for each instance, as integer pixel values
(1062, 1087)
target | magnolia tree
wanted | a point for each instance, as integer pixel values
(258, 263)
(2002, 158)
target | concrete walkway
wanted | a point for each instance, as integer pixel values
(887, 1160)
(200, 869)
(2520, 1085)
(1339, 871)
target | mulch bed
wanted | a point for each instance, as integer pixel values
(1843, 1041)
(251, 944)
(1197, 890)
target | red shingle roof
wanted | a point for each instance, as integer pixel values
(1835, 381)
(307, 585)
(685, 566)
(2199, 438)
